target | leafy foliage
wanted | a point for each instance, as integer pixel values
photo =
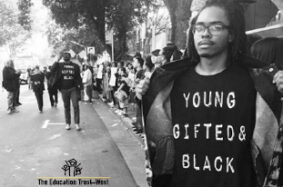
(91, 17)
(11, 32)
(24, 17)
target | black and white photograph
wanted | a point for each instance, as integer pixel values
(141, 93)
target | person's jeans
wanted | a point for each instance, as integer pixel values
(67, 96)
(89, 92)
(53, 96)
(39, 98)
(11, 100)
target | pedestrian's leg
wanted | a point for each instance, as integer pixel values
(89, 93)
(51, 97)
(56, 96)
(37, 96)
(66, 96)
(40, 101)
(15, 98)
(10, 98)
(138, 123)
(76, 107)
(18, 96)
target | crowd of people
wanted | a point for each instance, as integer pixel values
(210, 114)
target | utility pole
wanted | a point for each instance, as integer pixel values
(112, 45)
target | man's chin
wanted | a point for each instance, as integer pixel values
(206, 55)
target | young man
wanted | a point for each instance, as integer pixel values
(70, 84)
(209, 119)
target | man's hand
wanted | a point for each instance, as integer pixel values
(278, 80)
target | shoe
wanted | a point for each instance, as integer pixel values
(9, 111)
(68, 127)
(15, 111)
(55, 104)
(78, 128)
(40, 111)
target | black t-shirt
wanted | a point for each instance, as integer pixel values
(213, 121)
(37, 82)
(69, 75)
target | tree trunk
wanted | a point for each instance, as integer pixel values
(180, 13)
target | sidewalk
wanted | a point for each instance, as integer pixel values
(128, 119)
(129, 143)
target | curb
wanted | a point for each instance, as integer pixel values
(127, 122)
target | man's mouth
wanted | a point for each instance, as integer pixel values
(205, 43)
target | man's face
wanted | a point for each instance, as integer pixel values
(215, 37)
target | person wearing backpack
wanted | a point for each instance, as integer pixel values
(37, 83)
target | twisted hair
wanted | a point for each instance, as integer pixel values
(235, 15)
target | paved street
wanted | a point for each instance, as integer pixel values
(34, 145)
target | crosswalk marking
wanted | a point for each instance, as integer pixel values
(47, 123)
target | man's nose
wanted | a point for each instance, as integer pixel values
(206, 33)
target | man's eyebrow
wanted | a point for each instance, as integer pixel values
(205, 23)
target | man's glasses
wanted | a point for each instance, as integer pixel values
(213, 28)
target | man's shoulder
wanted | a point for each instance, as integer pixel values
(175, 68)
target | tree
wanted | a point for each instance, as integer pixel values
(180, 14)
(93, 16)
(24, 7)
(86, 17)
(12, 33)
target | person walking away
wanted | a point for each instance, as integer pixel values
(10, 77)
(70, 84)
(37, 83)
(52, 89)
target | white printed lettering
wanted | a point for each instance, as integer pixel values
(231, 102)
(186, 161)
(206, 164)
(207, 126)
(229, 165)
(230, 133)
(218, 132)
(196, 130)
(176, 131)
(207, 101)
(186, 132)
(187, 97)
(196, 100)
(215, 163)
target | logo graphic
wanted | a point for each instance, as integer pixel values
(72, 168)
